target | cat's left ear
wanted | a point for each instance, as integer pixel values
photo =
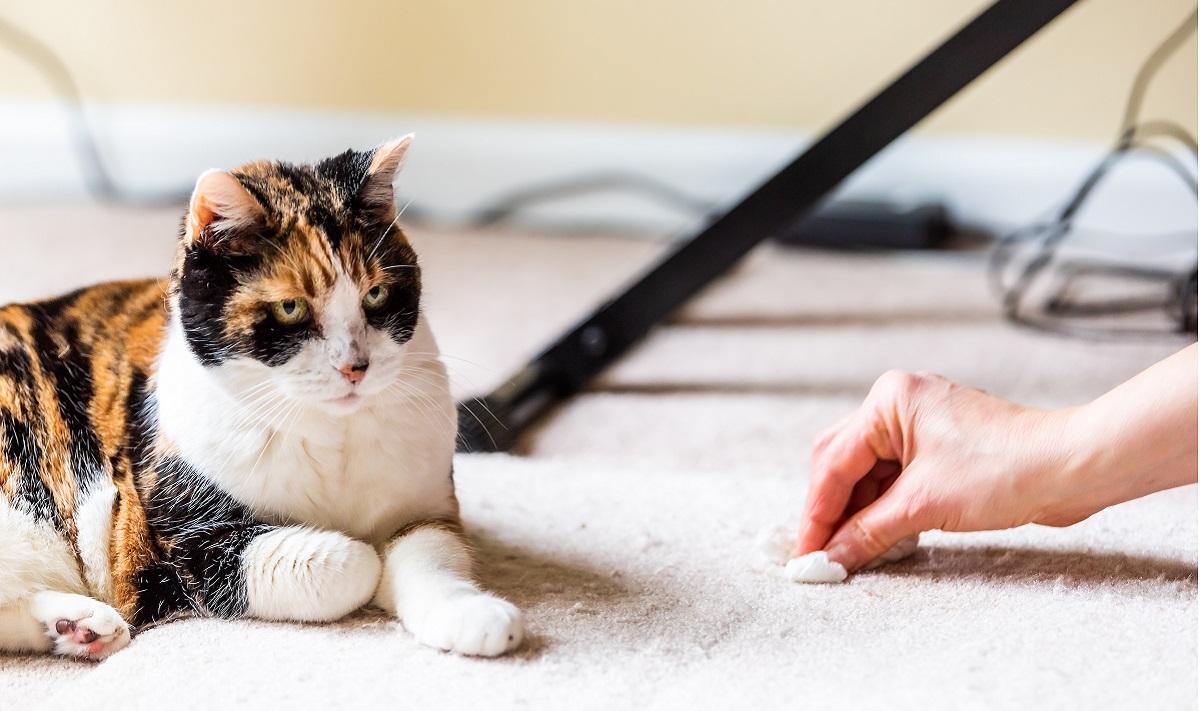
(376, 193)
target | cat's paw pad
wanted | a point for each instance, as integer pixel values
(478, 625)
(94, 635)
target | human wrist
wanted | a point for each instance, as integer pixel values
(1063, 461)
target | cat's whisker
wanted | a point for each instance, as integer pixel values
(383, 236)
(244, 416)
(454, 373)
(476, 400)
(409, 390)
(265, 412)
(254, 410)
(275, 429)
(419, 375)
(425, 402)
(453, 418)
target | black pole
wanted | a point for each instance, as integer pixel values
(494, 422)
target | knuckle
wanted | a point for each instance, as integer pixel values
(897, 382)
(826, 465)
(867, 536)
(823, 438)
(937, 385)
(839, 472)
(820, 445)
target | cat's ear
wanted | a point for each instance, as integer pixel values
(222, 214)
(376, 193)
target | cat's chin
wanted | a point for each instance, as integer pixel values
(343, 406)
(339, 406)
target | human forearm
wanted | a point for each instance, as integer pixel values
(1136, 439)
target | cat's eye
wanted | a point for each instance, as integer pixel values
(376, 296)
(290, 312)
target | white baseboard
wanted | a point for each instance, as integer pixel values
(457, 165)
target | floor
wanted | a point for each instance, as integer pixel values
(625, 526)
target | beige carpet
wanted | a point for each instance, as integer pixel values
(625, 527)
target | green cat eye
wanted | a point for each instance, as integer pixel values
(376, 296)
(290, 311)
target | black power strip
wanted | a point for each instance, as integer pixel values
(871, 225)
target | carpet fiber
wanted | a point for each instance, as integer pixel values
(625, 525)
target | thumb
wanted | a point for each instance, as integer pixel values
(872, 531)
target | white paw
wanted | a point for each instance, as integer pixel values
(475, 624)
(308, 575)
(80, 626)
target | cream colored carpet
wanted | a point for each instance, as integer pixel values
(626, 526)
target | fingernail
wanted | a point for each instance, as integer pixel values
(840, 553)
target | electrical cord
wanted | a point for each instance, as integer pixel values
(1049, 236)
(1150, 67)
(102, 185)
(1134, 138)
(524, 198)
(97, 177)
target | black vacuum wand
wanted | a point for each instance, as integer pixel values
(494, 422)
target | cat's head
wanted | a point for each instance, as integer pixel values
(297, 275)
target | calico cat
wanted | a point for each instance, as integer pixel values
(268, 433)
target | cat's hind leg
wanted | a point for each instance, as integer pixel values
(40, 611)
(66, 624)
(427, 583)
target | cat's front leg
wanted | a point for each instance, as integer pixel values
(233, 565)
(307, 575)
(427, 583)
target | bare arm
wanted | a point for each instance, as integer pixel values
(1136, 439)
(924, 453)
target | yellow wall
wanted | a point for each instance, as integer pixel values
(779, 63)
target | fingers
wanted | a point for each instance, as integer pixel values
(813, 536)
(841, 459)
(856, 447)
(872, 531)
(872, 486)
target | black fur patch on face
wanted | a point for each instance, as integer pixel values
(345, 174)
(325, 205)
(206, 282)
(275, 343)
(398, 316)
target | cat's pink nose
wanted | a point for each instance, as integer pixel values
(354, 372)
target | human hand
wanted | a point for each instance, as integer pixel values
(924, 453)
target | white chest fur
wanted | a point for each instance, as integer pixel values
(366, 474)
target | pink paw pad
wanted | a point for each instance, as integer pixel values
(89, 642)
(77, 632)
